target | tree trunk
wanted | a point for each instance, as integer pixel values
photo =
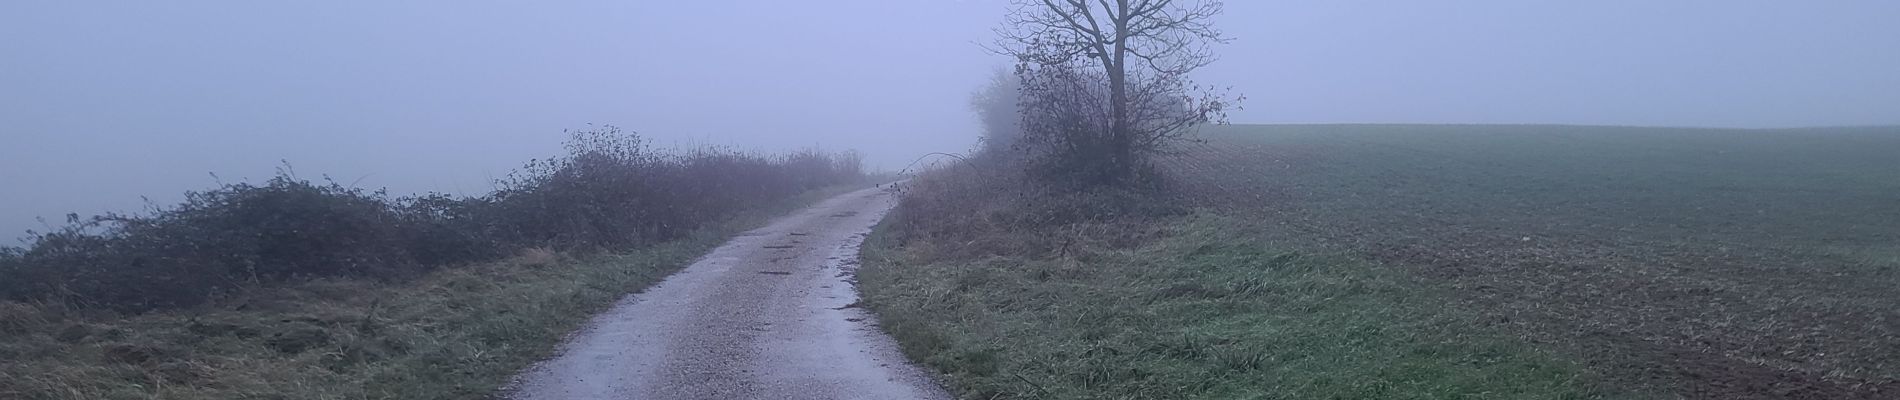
(1120, 140)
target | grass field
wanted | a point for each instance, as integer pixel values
(1620, 262)
(1702, 262)
(1201, 312)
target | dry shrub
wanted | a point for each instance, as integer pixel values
(610, 191)
(17, 317)
(986, 207)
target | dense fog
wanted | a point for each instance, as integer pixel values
(103, 106)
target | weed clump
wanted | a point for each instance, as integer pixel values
(16, 317)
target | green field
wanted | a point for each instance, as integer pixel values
(1448, 261)
(1703, 262)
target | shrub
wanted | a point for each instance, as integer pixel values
(610, 191)
(11, 270)
(992, 206)
(215, 242)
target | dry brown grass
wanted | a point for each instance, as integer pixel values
(17, 317)
(537, 257)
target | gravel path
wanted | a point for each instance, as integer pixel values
(769, 315)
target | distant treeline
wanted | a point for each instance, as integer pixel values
(609, 191)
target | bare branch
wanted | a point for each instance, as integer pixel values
(1083, 101)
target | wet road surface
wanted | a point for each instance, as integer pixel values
(769, 315)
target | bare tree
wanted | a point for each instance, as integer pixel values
(1139, 52)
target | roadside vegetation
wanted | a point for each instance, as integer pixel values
(297, 289)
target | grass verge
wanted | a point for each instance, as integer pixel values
(1202, 310)
(455, 334)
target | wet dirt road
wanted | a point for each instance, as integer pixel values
(769, 315)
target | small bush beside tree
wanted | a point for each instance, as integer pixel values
(1105, 85)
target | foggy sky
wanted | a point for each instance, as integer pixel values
(101, 103)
